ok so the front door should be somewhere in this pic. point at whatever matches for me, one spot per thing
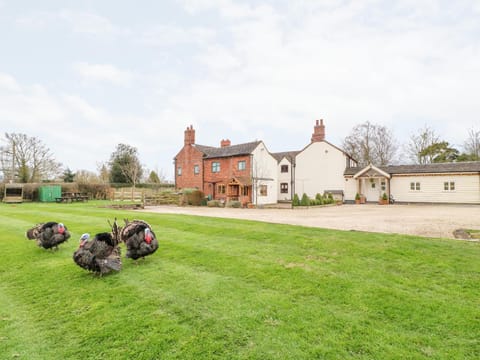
(373, 189)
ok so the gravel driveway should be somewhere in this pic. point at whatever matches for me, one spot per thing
(422, 220)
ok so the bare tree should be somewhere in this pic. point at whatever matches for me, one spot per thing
(103, 173)
(27, 159)
(155, 176)
(87, 177)
(371, 143)
(472, 144)
(420, 141)
(385, 146)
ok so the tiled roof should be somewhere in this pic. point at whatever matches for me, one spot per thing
(467, 166)
(227, 151)
(288, 154)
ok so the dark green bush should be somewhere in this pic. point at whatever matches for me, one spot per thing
(305, 200)
(296, 200)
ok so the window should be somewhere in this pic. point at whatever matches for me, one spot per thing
(284, 169)
(245, 191)
(196, 169)
(221, 189)
(179, 171)
(449, 185)
(415, 186)
(284, 188)
(382, 184)
(242, 165)
(215, 167)
(263, 190)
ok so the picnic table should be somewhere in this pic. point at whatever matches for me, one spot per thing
(71, 197)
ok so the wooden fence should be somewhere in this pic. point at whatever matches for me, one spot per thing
(147, 196)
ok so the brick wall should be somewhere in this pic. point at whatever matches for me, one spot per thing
(228, 171)
(187, 158)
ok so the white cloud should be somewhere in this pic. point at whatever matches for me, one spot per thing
(168, 35)
(8, 83)
(84, 22)
(103, 72)
(77, 21)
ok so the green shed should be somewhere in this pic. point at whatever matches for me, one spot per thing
(49, 193)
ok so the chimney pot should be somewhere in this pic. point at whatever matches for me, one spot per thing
(189, 138)
(318, 131)
(225, 143)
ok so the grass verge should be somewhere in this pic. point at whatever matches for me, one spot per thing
(233, 289)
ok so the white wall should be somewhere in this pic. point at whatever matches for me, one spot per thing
(265, 169)
(350, 188)
(319, 167)
(285, 178)
(467, 188)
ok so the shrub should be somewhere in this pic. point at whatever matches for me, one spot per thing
(213, 203)
(305, 200)
(319, 199)
(296, 200)
(195, 198)
(96, 191)
(384, 196)
(234, 204)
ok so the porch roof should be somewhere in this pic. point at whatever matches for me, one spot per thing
(241, 180)
(436, 168)
(369, 167)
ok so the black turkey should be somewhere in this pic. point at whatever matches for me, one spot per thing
(49, 235)
(100, 255)
(139, 239)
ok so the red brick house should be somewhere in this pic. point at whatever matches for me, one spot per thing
(243, 172)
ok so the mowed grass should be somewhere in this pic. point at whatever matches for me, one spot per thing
(231, 289)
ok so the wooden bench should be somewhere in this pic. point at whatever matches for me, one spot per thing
(71, 197)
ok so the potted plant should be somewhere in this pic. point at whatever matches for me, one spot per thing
(383, 199)
(357, 198)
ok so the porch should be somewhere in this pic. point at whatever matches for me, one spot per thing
(372, 184)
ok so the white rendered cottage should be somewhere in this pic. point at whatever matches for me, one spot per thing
(320, 166)
(431, 183)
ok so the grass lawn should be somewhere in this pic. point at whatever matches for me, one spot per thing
(232, 289)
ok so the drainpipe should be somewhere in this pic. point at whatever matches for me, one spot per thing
(292, 187)
(175, 172)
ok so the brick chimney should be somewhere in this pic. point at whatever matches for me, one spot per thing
(318, 131)
(189, 136)
(225, 143)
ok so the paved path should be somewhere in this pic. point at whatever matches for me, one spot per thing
(422, 220)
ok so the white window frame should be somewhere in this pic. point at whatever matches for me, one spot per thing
(449, 186)
(415, 186)
(215, 167)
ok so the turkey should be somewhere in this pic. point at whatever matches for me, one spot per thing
(139, 239)
(49, 235)
(100, 255)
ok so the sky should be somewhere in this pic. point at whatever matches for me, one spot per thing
(85, 76)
